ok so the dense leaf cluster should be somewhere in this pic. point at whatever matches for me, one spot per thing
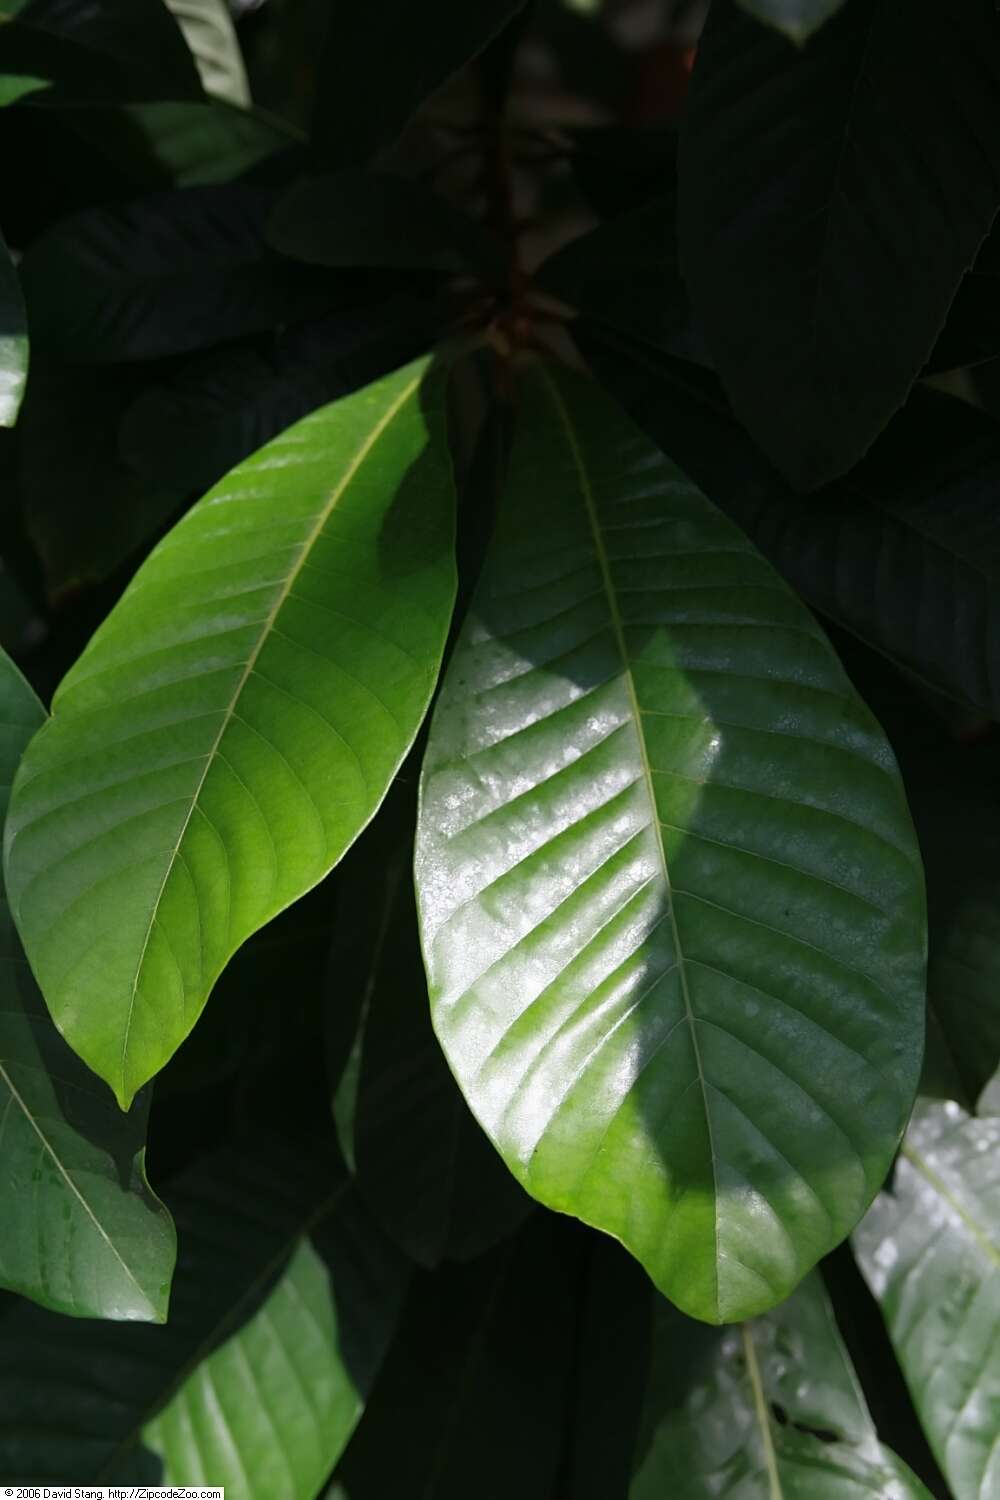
(506, 534)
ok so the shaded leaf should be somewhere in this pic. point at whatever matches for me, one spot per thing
(798, 19)
(13, 341)
(423, 1164)
(904, 551)
(930, 1250)
(619, 168)
(187, 428)
(357, 218)
(235, 722)
(800, 264)
(80, 1230)
(410, 50)
(122, 49)
(208, 30)
(625, 273)
(185, 143)
(13, 88)
(670, 897)
(773, 1407)
(476, 1382)
(86, 507)
(101, 1402)
(162, 275)
(270, 1411)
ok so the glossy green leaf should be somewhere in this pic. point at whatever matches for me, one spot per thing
(772, 1408)
(798, 259)
(381, 62)
(798, 19)
(162, 275)
(930, 1250)
(13, 341)
(671, 902)
(235, 721)
(476, 1382)
(208, 30)
(904, 552)
(357, 218)
(80, 1230)
(285, 1299)
(423, 1164)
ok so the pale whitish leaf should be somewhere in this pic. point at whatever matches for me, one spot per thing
(930, 1250)
(772, 1408)
(80, 1230)
(209, 32)
(671, 900)
(13, 341)
(235, 722)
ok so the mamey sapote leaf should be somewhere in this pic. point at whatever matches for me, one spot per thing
(235, 721)
(671, 903)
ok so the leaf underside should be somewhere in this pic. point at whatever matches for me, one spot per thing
(773, 1408)
(671, 903)
(930, 1250)
(235, 722)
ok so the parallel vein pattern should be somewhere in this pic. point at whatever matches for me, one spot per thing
(772, 1410)
(930, 1250)
(670, 899)
(80, 1230)
(234, 723)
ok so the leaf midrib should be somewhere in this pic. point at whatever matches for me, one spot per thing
(980, 1235)
(762, 1413)
(619, 632)
(326, 510)
(47, 1146)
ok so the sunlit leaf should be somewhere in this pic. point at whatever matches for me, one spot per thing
(670, 896)
(235, 722)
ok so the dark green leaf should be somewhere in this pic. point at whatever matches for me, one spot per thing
(86, 507)
(187, 429)
(235, 722)
(930, 1250)
(671, 902)
(625, 273)
(165, 274)
(772, 1408)
(903, 552)
(357, 218)
(188, 143)
(281, 1274)
(13, 341)
(80, 1230)
(423, 1164)
(619, 168)
(475, 1384)
(208, 30)
(799, 259)
(798, 19)
(122, 49)
(382, 61)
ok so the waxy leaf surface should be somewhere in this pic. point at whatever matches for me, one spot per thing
(671, 903)
(769, 1411)
(235, 722)
(930, 1250)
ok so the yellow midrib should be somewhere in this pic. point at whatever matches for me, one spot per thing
(267, 625)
